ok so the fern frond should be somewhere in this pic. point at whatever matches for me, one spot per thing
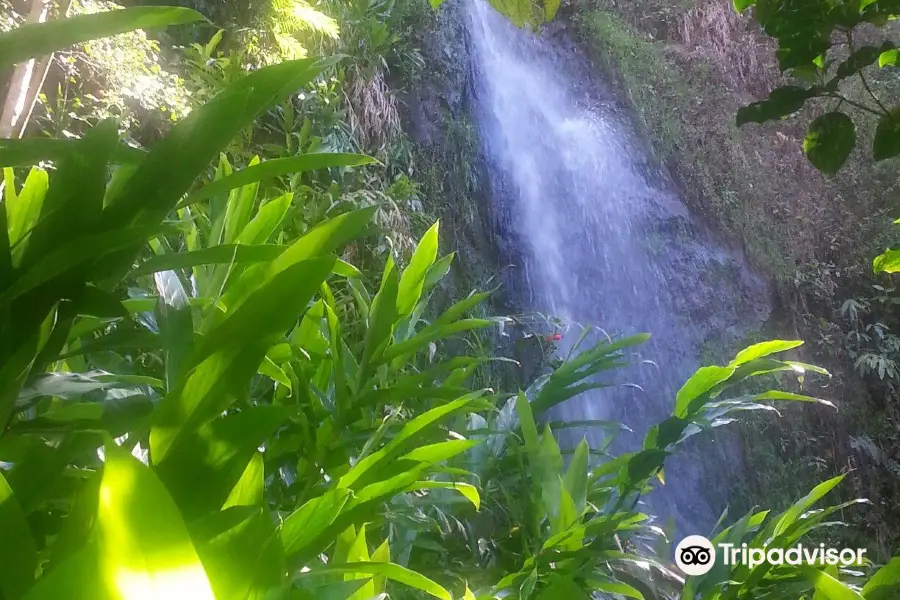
(293, 16)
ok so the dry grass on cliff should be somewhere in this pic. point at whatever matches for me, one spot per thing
(372, 109)
(712, 30)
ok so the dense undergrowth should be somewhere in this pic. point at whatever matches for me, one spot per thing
(231, 365)
(688, 68)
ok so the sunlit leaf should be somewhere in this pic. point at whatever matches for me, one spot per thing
(17, 550)
(38, 39)
(884, 583)
(829, 142)
(411, 282)
(391, 571)
(275, 168)
(144, 547)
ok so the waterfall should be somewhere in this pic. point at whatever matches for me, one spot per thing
(602, 240)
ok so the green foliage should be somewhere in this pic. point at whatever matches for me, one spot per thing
(35, 39)
(807, 34)
(210, 388)
(829, 142)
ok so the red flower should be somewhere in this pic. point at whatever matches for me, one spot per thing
(554, 337)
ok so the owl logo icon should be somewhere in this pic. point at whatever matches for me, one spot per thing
(695, 555)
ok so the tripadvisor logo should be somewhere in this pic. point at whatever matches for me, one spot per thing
(696, 555)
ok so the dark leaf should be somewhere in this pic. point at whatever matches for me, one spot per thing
(17, 552)
(781, 102)
(829, 142)
(862, 58)
(887, 136)
(39, 39)
(31, 151)
(275, 168)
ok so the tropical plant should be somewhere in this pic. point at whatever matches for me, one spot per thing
(818, 43)
(205, 392)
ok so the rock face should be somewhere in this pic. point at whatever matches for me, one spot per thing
(594, 230)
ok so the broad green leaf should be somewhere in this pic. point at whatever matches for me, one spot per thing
(432, 454)
(561, 587)
(645, 463)
(829, 142)
(889, 262)
(519, 12)
(887, 136)
(174, 163)
(277, 167)
(6, 259)
(345, 269)
(17, 552)
(240, 551)
(546, 473)
(529, 428)
(34, 150)
(437, 271)
(176, 325)
(527, 587)
(305, 524)
(567, 516)
(216, 255)
(24, 209)
(889, 58)
(789, 396)
(315, 589)
(382, 318)
(240, 205)
(209, 389)
(74, 202)
(39, 39)
(270, 85)
(804, 504)
(381, 554)
(700, 383)
(143, 545)
(615, 587)
(861, 58)
(323, 239)
(241, 340)
(202, 471)
(391, 571)
(575, 481)
(290, 290)
(267, 221)
(76, 578)
(411, 282)
(467, 490)
(351, 547)
(830, 587)
(74, 385)
(430, 334)
(410, 432)
(781, 102)
(18, 366)
(550, 9)
(249, 489)
(468, 595)
(762, 350)
(78, 526)
(73, 254)
(884, 583)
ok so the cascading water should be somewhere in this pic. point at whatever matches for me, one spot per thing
(601, 242)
